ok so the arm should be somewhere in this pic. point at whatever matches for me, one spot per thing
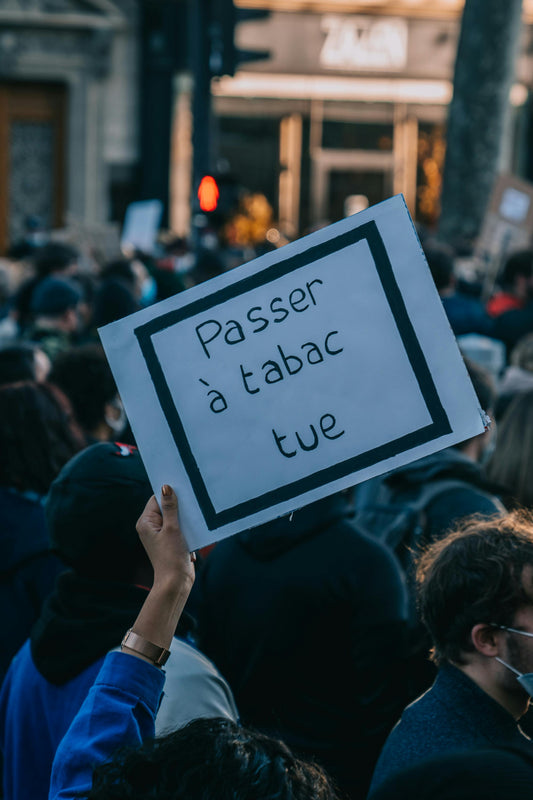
(120, 708)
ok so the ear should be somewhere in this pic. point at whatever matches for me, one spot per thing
(486, 639)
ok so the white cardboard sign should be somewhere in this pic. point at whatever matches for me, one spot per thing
(141, 224)
(294, 376)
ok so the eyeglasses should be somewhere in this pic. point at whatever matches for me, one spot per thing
(511, 630)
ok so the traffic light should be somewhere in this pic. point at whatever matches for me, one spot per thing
(208, 194)
(224, 56)
(218, 198)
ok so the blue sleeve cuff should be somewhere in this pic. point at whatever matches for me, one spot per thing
(132, 676)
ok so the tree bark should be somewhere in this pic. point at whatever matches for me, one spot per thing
(484, 73)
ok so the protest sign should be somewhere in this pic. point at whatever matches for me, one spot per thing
(294, 376)
(508, 226)
(141, 225)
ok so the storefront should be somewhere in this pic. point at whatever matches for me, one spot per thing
(349, 109)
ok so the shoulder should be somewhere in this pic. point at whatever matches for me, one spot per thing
(193, 688)
(427, 727)
(462, 500)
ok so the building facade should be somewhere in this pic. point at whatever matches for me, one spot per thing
(349, 108)
(68, 110)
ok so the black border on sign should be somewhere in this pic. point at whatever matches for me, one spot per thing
(439, 426)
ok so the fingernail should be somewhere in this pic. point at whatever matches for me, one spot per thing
(166, 491)
(193, 557)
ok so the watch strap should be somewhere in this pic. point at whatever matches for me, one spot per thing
(157, 655)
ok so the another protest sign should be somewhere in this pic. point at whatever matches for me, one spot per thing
(294, 376)
(141, 225)
(508, 226)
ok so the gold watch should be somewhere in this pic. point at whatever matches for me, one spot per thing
(157, 655)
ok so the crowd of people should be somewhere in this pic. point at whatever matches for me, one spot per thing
(377, 643)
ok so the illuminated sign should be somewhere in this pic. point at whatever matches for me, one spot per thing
(363, 43)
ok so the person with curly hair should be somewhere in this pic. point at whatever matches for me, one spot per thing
(475, 593)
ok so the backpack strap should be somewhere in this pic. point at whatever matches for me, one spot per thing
(435, 488)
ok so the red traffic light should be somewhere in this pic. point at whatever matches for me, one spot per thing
(208, 193)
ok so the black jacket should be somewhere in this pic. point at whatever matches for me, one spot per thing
(477, 496)
(28, 569)
(304, 616)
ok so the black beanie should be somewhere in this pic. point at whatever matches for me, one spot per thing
(92, 509)
(54, 296)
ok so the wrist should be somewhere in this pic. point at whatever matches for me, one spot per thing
(137, 645)
(173, 583)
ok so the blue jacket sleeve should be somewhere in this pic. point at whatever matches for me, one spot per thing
(119, 710)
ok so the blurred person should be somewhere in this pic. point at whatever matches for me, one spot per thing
(23, 362)
(212, 758)
(56, 321)
(146, 288)
(87, 283)
(516, 319)
(8, 325)
(208, 264)
(465, 314)
(91, 511)
(118, 293)
(518, 377)
(84, 375)
(475, 590)
(37, 436)
(414, 505)
(34, 236)
(305, 616)
(516, 283)
(511, 462)
(54, 259)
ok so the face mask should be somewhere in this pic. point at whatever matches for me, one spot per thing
(117, 423)
(525, 679)
(148, 291)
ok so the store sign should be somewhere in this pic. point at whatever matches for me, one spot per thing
(363, 43)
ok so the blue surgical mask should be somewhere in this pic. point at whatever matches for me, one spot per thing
(118, 423)
(525, 679)
(148, 291)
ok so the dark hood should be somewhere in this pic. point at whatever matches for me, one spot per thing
(270, 540)
(450, 464)
(81, 620)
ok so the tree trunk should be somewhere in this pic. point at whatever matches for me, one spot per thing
(484, 73)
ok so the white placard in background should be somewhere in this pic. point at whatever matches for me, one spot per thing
(141, 224)
(514, 205)
(294, 376)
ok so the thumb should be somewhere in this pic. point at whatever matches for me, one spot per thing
(169, 502)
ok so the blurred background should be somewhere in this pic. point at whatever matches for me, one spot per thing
(303, 112)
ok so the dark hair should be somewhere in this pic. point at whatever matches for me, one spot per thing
(17, 363)
(474, 575)
(120, 268)
(519, 263)
(84, 375)
(54, 257)
(37, 435)
(440, 262)
(211, 758)
(115, 296)
(511, 463)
